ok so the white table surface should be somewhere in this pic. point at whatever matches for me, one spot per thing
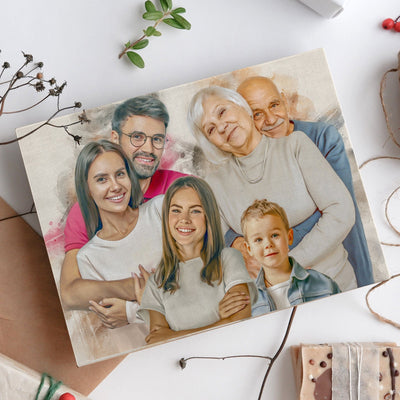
(79, 42)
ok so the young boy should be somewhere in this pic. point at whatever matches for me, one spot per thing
(281, 282)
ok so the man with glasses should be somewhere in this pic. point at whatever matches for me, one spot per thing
(139, 126)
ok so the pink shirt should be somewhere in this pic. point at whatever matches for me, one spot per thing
(75, 235)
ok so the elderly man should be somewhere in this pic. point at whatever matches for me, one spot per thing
(270, 113)
(139, 126)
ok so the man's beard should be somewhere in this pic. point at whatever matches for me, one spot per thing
(145, 171)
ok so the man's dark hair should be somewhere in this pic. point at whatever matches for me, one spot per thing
(148, 106)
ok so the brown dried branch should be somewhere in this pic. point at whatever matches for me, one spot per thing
(274, 358)
(31, 211)
(76, 138)
(183, 361)
(22, 78)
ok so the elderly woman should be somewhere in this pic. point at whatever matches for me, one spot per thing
(289, 171)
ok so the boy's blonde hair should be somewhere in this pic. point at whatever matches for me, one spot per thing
(261, 208)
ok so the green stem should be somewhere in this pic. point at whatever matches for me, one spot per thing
(158, 22)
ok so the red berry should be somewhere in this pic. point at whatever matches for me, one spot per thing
(388, 23)
(397, 26)
(67, 396)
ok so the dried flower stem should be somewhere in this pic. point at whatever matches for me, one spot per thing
(183, 361)
(38, 127)
(31, 211)
(27, 108)
(19, 79)
(274, 358)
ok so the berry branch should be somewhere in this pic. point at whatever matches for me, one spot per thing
(389, 24)
(165, 14)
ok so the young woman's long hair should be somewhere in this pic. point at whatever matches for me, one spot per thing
(85, 159)
(168, 270)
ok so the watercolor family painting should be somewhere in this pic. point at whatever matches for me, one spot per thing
(201, 205)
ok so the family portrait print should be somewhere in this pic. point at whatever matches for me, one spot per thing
(202, 205)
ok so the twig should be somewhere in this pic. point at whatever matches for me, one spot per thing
(274, 358)
(28, 108)
(183, 361)
(167, 14)
(31, 211)
(38, 127)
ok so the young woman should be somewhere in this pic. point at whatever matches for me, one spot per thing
(196, 270)
(123, 234)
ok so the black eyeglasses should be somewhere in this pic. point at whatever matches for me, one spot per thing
(138, 139)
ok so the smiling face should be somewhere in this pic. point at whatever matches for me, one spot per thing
(109, 184)
(268, 105)
(187, 222)
(228, 126)
(145, 158)
(268, 240)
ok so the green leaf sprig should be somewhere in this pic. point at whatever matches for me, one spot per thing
(165, 14)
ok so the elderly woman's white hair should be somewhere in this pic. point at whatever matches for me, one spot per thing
(195, 115)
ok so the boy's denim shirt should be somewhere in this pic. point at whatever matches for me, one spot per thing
(305, 285)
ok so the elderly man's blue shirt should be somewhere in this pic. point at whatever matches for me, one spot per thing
(330, 143)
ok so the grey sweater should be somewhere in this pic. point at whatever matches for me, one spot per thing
(295, 175)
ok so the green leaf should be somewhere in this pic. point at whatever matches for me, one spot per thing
(127, 44)
(150, 7)
(182, 21)
(179, 10)
(164, 5)
(153, 16)
(150, 31)
(173, 23)
(169, 4)
(157, 33)
(135, 59)
(141, 45)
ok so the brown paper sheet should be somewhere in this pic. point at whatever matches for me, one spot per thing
(32, 326)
